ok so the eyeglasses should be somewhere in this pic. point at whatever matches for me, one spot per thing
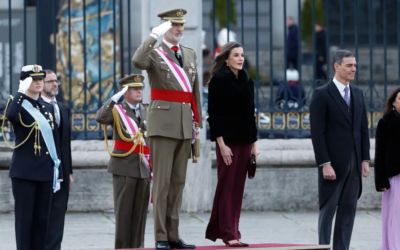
(53, 81)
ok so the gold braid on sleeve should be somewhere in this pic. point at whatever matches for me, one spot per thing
(34, 126)
(118, 127)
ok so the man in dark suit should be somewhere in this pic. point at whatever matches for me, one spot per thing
(339, 133)
(62, 119)
(292, 44)
(320, 47)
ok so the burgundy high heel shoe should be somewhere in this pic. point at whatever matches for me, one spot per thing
(237, 244)
(244, 244)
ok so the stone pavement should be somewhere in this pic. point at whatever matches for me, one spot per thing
(95, 231)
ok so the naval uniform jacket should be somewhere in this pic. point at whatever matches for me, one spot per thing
(24, 163)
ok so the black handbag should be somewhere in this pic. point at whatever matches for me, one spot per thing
(251, 168)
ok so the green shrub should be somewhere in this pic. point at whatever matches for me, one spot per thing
(306, 18)
(220, 13)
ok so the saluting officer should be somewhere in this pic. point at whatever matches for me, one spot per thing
(130, 161)
(175, 109)
(35, 166)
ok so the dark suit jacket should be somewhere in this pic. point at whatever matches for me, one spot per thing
(336, 133)
(292, 42)
(387, 148)
(24, 163)
(320, 45)
(65, 138)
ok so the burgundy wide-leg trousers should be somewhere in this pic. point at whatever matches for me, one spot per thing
(224, 221)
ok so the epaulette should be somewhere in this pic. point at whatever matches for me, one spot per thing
(187, 47)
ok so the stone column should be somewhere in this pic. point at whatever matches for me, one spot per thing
(197, 195)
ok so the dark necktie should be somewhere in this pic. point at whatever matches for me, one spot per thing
(136, 114)
(178, 57)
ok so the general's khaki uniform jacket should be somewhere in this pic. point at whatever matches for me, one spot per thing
(165, 118)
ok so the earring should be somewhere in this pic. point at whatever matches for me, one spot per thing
(393, 108)
(227, 64)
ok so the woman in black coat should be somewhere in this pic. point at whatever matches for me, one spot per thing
(233, 128)
(387, 170)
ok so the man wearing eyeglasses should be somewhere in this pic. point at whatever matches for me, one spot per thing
(61, 114)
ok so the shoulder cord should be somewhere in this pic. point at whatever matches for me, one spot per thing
(34, 126)
(117, 126)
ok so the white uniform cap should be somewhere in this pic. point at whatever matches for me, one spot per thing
(292, 75)
(223, 37)
(203, 37)
(30, 68)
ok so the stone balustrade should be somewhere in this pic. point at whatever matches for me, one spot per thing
(286, 179)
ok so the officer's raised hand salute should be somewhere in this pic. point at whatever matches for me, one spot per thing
(161, 29)
(24, 85)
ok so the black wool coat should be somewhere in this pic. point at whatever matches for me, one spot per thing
(387, 149)
(231, 107)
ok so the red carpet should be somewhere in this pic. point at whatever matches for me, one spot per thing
(269, 246)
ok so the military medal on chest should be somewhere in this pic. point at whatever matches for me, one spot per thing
(51, 121)
(192, 71)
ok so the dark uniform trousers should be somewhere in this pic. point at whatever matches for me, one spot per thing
(32, 212)
(131, 201)
(169, 158)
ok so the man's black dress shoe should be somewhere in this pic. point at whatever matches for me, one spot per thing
(163, 245)
(180, 244)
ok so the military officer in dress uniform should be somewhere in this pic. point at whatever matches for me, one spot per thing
(35, 169)
(175, 110)
(130, 161)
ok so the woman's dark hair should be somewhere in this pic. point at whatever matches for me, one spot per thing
(389, 104)
(220, 59)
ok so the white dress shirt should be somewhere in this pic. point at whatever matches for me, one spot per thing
(137, 107)
(170, 45)
(57, 109)
(341, 87)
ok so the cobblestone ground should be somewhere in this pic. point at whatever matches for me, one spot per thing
(95, 231)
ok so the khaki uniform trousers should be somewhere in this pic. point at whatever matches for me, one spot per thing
(169, 158)
(131, 201)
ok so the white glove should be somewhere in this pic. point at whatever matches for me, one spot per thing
(118, 95)
(24, 85)
(161, 29)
